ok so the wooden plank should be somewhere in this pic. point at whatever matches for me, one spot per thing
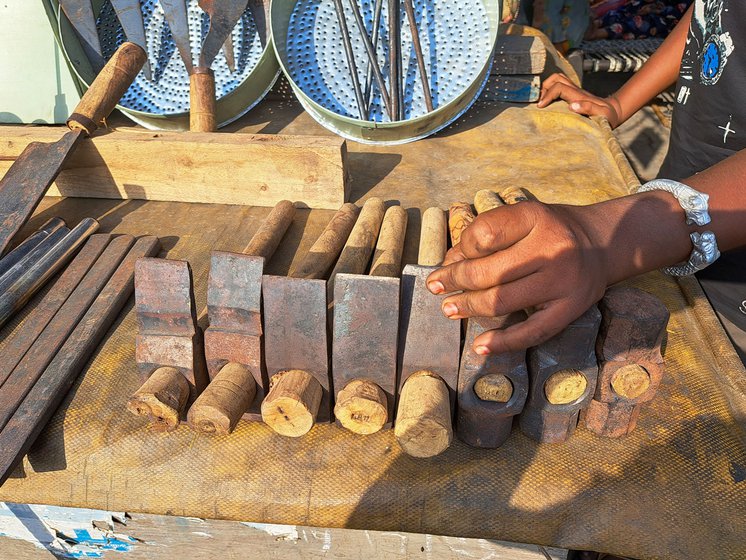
(246, 169)
(518, 54)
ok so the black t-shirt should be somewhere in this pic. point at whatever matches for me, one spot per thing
(709, 117)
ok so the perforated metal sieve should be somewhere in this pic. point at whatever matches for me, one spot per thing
(457, 39)
(163, 102)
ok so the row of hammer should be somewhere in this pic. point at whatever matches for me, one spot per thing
(394, 355)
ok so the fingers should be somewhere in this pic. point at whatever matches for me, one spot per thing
(492, 302)
(453, 255)
(553, 83)
(483, 273)
(591, 108)
(498, 229)
(539, 327)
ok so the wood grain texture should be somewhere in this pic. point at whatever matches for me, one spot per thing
(390, 246)
(460, 217)
(220, 406)
(108, 87)
(202, 101)
(433, 237)
(161, 399)
(270, 233)
(486, 200)
(291, 406)
(246, 169)
(362, 407)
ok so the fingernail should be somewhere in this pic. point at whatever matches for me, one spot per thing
(450, 309)
(574, 106)
(482, 350)
(435, 287)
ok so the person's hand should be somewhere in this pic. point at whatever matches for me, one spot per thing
(559, 86)
(529, 255)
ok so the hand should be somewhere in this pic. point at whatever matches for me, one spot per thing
(559, 86)
(529, 255)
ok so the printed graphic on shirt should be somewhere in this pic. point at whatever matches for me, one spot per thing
(683, 96)
(708, 46)
(727, 129)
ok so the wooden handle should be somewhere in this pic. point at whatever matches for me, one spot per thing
(292, 404)
(423, 419)
(359, 247)
(390, 246)
(362, 407)
(161, 398)
(565, 386)
(108, 87)
(514, 195)
(433, 238)
(327, 247)
(494, 387)
(486, 200)
(270, 233)
(202, 100)
(228, 396)
(460, 217)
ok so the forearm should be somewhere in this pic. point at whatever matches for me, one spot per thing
(646, 231)
(657, 74)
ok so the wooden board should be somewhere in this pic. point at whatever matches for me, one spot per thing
(247, 169)
(517, 54)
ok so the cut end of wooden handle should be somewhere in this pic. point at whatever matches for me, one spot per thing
(202, 100)
(514, 195)
(460, 217)
(423, 420)
(108, 87)
(486, 200)
(630, 381)
(220, 406)
(362, 407)
(565, 386)
(494, 387)
(433, 238)
(161, 398)
(292, 404)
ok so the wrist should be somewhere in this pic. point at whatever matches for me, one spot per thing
(616, 106)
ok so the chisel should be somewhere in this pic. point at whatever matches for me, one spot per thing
(24, 184)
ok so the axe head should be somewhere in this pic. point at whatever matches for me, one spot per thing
(295, 331)
(366, 322)
(234, 307)
(428, 339)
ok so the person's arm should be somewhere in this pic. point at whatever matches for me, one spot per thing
(559, 259)
(657, 74)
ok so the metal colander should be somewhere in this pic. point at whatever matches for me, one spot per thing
(163, 103)
(457, 39)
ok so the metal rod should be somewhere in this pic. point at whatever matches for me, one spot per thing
(369, 71)
(16, 295)
(409, 8)
(350, 58)
(25, 247)
(36, 254)
(394, 56)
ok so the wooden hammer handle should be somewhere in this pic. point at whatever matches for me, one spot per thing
(460, 217)
(362, 240)
(390, 247)
(327, 247)
(202, 100)
(108, 87)
(433, 238)
(270, 233)
(486, 200)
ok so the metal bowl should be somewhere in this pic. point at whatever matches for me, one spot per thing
(457, 40)
(163, 103)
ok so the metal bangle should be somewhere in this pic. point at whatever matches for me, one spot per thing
(695, 207)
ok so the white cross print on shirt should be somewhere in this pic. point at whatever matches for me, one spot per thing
(727, 129)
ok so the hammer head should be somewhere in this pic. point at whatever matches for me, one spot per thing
(167, 321)
(366, 322)
(428, 339)
(295, 331)
(483, 420)
(235, 331)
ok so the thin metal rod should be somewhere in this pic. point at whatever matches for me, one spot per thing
(409, 8)
(350, 58)
(28, 244)
(15, 296)
(394, 55)
(369, 72)
(30, 260)
(372, 59)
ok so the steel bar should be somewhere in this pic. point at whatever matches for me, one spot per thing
(21, 339)
(27, 285)
(394, 56)
(409, 8)
(347, 43)
(23, 265)
(40, 404)
(27, 245)
(369, 70)
(43, 351)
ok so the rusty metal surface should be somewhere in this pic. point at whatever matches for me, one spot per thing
(130, 16)
(81, 15)
(32, 257)
(483, 423)
(28, 244)
(167, 333)
(428, 339)
(234, 308)
(295, 331)
(24, 184)
(223, 17)
(573, 348)
(365, 333)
